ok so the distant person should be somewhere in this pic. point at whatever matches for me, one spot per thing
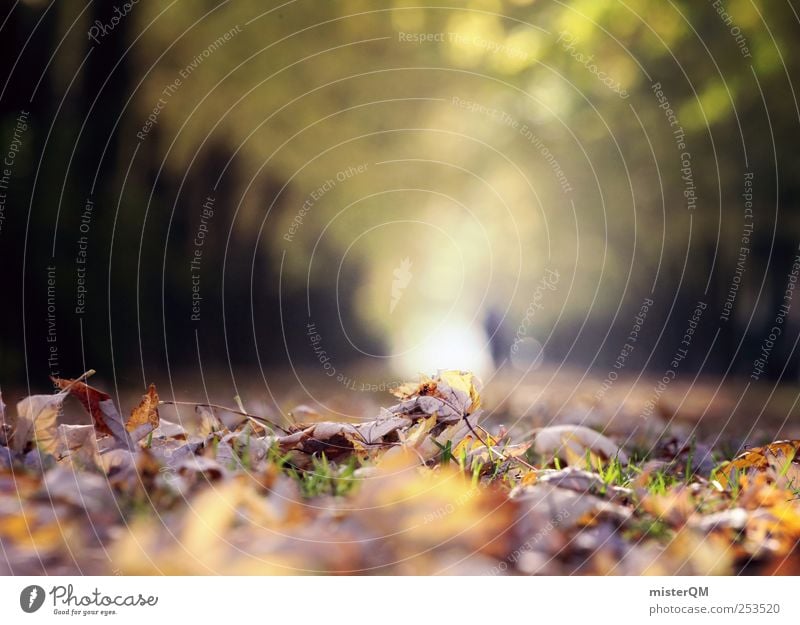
(498, 344)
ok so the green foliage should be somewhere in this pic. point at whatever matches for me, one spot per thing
(326, 479)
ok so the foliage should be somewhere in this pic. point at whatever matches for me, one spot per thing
(422, 488)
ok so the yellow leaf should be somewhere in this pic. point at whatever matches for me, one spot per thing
(529, 478)
(778, 461)
(419, 431)
(468, 444)
(463, 381)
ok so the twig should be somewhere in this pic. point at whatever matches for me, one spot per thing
(84, 376)
(491, 449)
(226, 409)
(503, 456)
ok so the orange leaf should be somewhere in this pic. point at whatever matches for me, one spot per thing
(144, 418)
(778, 461)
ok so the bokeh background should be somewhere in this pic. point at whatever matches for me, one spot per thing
(283, 195)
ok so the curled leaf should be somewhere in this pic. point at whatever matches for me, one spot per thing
(100, 407)
(572, 442)
(452, 395)
(144, 418)
(778, 461)
(37, 416)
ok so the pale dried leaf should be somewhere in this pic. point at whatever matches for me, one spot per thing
(168, 429)
(373, 432)
(37, 416)
(115, 424)
(82, 489)
(564, 441)
(579, 480)
(209, 422)
(78, 443)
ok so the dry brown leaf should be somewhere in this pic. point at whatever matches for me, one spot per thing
(455, 396)
(328, 437)
(778, 461)
(100, 407)
(450, 394)
(444, 399)
(144, 418)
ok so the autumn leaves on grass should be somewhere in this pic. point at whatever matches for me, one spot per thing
(425, 486)
(37, 419)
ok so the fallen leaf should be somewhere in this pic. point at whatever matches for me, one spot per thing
(144, 418)
(465, 386)
(576, 479)
(430, 447)
(82, 489)
(778, 461)
(78, 443)
(409, 421)
(455, 396)
(227, 532)
(407, 389)
(100, 407)
(417, 434)
(168, 429)
(37, 416)
(452, 395)
(209, 422)
(374, 431)
(734, 518)
(422, 515)
(571, 443)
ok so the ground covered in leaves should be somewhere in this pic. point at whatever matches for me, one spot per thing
(422, 487)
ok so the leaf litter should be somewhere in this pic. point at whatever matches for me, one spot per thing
(421, 488)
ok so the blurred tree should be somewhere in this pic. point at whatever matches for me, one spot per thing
(485, 141)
